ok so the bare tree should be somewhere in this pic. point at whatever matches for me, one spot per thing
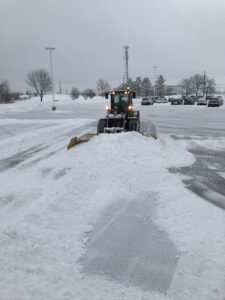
(40, 81)
(75, 93)
(187, 86)
(102, 87)
(88, 93)
(197, 82)
(5, 91)
(210, 86)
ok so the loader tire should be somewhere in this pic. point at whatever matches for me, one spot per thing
(101, 126)
(138, 128)
(132, 125)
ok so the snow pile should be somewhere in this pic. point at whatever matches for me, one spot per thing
(47, 212)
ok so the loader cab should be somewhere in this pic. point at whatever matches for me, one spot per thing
(121, 101)
(120, 116)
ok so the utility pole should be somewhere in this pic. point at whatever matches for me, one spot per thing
(126, 59)
(60, 88)
(204, 83)
(53, 92)
(154, 68)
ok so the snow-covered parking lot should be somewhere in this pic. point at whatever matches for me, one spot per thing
(121, 217)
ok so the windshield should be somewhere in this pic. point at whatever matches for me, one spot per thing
(120, 97)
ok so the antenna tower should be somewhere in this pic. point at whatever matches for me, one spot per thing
(126, 58)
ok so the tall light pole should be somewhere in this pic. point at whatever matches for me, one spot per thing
(126, 59)
(154, 68)
(50, 49)
(204, 83)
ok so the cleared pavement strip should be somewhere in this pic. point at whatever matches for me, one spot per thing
(127, 247)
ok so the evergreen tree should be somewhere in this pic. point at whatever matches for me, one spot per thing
(146, 87)
(138, 86)
(160, 86)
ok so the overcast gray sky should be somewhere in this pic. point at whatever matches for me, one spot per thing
(181, 37)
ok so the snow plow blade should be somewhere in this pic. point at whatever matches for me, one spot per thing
(83, 139)
(148, 129)
(86, 137)
(150, 134)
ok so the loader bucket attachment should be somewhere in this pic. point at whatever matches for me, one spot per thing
(78, 140)
(150, 134)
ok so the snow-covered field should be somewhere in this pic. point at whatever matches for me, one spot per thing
(106, 219)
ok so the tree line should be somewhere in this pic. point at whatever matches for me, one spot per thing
(144, 87)
(198, 84)
(41, 83)
(102, 87)
(6, 95)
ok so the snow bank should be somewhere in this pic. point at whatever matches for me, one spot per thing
(60, 100)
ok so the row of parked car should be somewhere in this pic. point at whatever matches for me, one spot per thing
(208, 100)
(190, 100)
(151, 100)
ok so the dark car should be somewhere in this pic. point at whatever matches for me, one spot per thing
(146, 101)
(154, 98)
(177, 101)
(220, 100)
(189, 101)
(214, 101)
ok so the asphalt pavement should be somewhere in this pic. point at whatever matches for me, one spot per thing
(126, 246)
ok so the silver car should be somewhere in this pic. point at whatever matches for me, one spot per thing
(161, 100)
(146, 101)
(202, 101)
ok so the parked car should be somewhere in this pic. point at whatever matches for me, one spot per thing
(154, 98)
(147, 101)
(220, 100)
(195, 98)
(214, 101)
(161, 100)
(189, 101)
(174, 101)
(202, 101)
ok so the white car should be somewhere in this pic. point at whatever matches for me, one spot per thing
(161, 100)
(202, 101)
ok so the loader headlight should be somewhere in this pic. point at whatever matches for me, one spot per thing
(107, 108)
(130, 107)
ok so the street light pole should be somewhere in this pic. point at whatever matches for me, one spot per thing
(51, 68)
(154, 67)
